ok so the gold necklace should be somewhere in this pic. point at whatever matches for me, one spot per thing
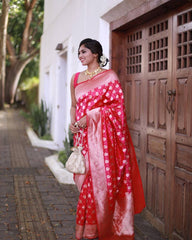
(91, 74)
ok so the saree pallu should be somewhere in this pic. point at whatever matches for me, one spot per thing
(111, 190)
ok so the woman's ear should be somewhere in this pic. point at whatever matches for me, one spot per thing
(96, 56)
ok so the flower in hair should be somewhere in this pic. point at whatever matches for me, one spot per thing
(103, 61)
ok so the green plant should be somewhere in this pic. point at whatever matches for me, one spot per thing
(46, 137)
(28, 89)
(68, 143)
(29, 83)
(26, 115)
(39, 118)
(62, 157)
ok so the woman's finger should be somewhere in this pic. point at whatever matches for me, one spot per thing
(74, 128)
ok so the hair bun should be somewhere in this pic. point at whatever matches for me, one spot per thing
(103, 61)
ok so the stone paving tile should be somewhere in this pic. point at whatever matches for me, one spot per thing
(18, 156)
(9, 235)
(5, 160)
(144, 230)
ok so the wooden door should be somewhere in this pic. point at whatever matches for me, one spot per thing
(181, 133)
(156, 75)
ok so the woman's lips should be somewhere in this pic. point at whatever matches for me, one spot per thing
(82, 60)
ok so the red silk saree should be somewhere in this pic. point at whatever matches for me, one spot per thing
(111, 190)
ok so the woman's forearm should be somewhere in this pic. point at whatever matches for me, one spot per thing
(73, 114)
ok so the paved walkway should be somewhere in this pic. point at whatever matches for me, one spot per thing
(33, 205)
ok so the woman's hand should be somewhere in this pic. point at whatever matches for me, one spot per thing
(76, 126)
(82, 123)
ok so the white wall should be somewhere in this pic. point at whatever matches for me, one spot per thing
(68, 22)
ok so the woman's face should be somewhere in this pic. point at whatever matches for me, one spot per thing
(86, 56)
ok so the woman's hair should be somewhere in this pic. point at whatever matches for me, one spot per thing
(95, 48)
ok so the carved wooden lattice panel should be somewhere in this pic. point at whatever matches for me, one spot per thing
(184, 41)
(158, 65)
(158, 48)
(133, 69)
(134, 52)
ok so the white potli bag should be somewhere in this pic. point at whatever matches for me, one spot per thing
(76, 161)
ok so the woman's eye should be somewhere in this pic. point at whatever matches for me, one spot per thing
(81, 52)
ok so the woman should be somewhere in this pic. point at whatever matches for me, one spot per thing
(111, 190)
